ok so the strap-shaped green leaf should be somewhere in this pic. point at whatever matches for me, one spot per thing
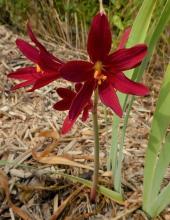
(115, 196)
(139, 31)
(160, 124)
(162, 165)
(162, 201)
(138, 35)
(137, 74)
(164, 198)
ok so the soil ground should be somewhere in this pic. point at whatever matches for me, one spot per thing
(33, 185)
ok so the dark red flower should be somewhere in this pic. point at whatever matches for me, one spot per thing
(46, 65)
(105, 70)
(68, 96)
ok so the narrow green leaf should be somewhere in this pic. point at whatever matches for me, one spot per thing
(139, 31)
(113, 151)
(160, 124)
(117, 180)
(138, 35)
(162, 201)
(141, 23)
(162, 165)
(153, 39)
(115, 196)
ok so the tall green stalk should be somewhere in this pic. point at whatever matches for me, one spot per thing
(96, 149)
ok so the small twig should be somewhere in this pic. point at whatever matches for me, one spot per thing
(127, 212)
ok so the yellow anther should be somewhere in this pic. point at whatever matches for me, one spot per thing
(104, 77)
(99, 82)
(98, 75)
(38, 69)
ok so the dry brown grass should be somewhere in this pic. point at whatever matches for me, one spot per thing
(34, 186)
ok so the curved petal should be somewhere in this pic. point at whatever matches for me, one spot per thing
(124, 38)
(67, 125)
(38, 44)
(23, 84)
(109, 98)
(77, 71)
(45, 79)
(29, 51)
(47, 63)
(99, 38)
(23, 73)
(86, 110)
(66, 93)
(125, 85)
(124, 59)
(63, 105)
(81, 99)
(33, 37)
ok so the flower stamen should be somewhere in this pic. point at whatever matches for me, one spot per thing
(98, 75)
(38, 69)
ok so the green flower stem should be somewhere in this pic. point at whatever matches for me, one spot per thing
(96, 150)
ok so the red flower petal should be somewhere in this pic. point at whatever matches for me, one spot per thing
(99, 38)
(45, 79)
(125, 85)
(29, 51)
(33, 38)
(67, 125)
(23, 84)
(47, 63)
(66, 93)
(109, 98)
(78, 86)
(63, 105)
(124, 38)
(77, 71)
(124, 59)
(81, 99)
(38, 44)
(85, 114)
(23, 73)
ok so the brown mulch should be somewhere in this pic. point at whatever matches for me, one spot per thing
(33, 185)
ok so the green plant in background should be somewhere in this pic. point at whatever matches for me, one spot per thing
(142, 22)
(15, 10)
(65, 20)
(159, 143)
(158, 154)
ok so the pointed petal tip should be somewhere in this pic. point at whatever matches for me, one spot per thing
(147, 91)
(120, 114)
(67, 125)
(12, 89)
(10, 75)
(99, 38)
(30, 90)
(125, 85)
(124, 38)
